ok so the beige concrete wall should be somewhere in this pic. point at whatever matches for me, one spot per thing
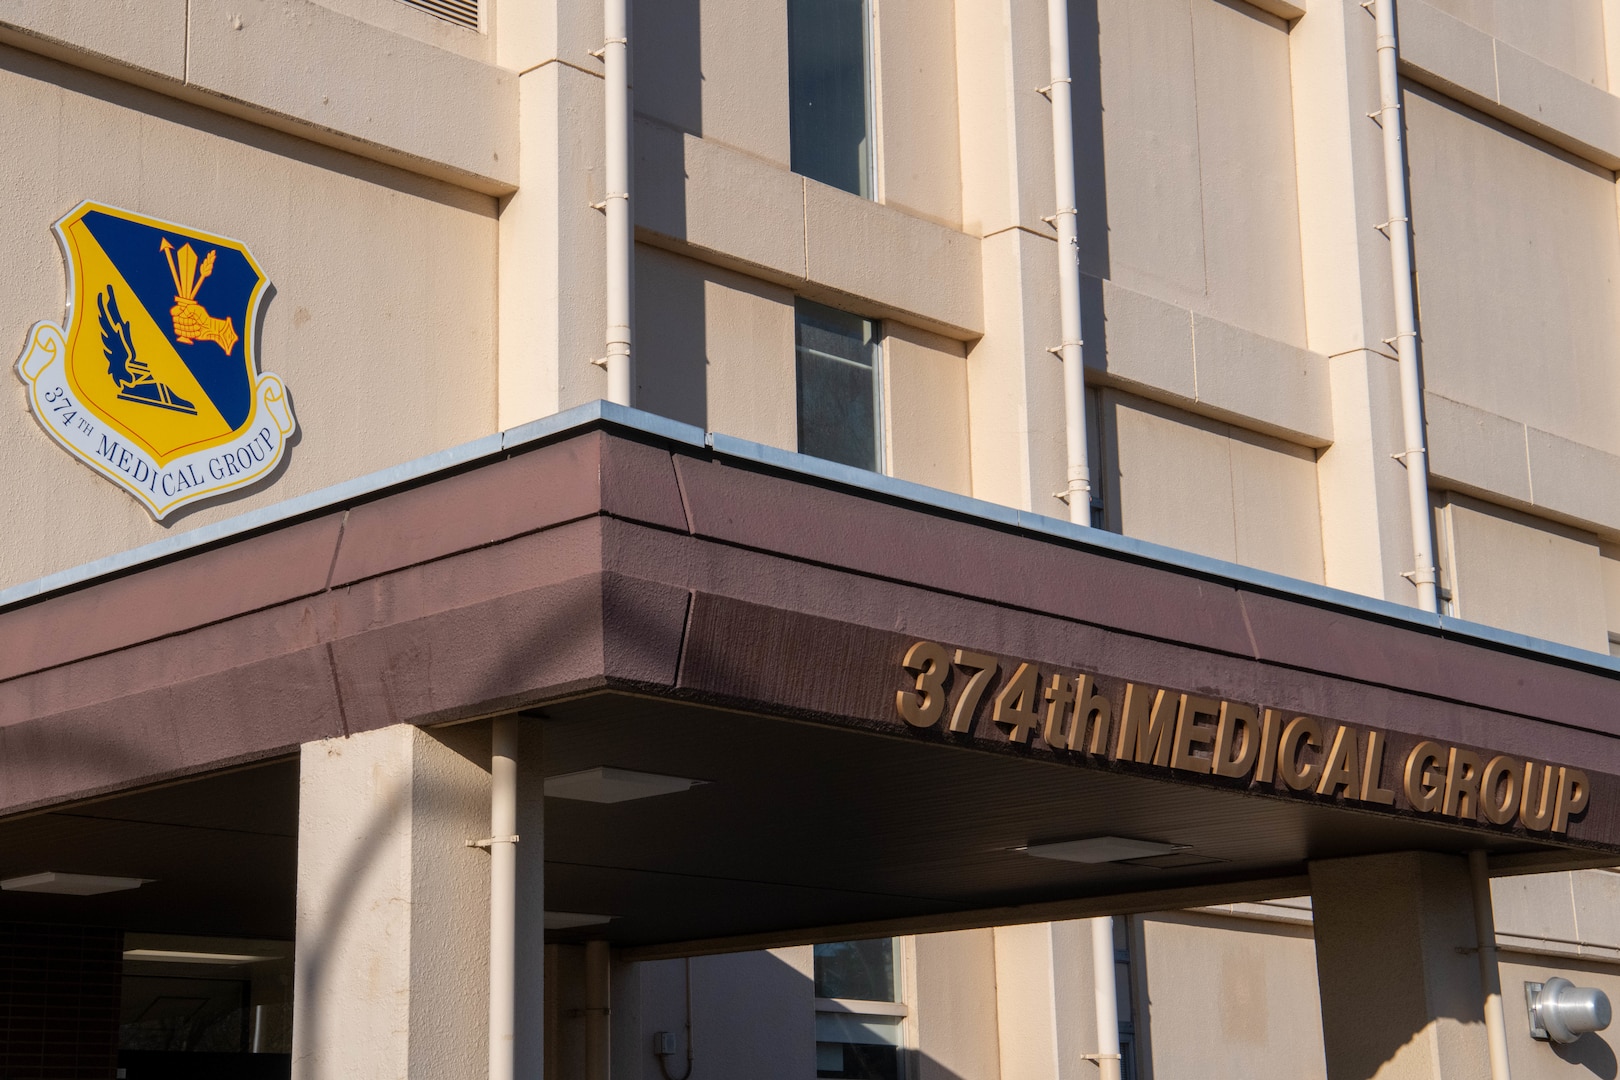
(553, 276)
(1569, 34)
(716, 68)
(392, 908)
(303, 67)
(1197, 160)
(1510, 570)
(919, 160)
(1517, 245)
(382, 322)
(753, 1015)
(1204, 486)
(1231, 998)
(1609, 565)
(716, 349)
(926, 426)
(956, 1030)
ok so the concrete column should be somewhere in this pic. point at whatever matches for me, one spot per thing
(1349, 301)
(552, 266)
(1045, 1008)
(392, 951)
(1400, 989)
(1015, 387)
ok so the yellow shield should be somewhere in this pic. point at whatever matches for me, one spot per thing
(153, 379)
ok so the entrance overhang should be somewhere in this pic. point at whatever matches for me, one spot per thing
(660, 602)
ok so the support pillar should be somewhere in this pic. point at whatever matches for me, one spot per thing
(392, 948)
(1400, 987)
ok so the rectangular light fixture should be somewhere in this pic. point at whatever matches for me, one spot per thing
(569, 920)
(180, 956)
(605, 784)
(1102, 849)
(71, 884)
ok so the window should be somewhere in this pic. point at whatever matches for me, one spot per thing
(839, 388)
(829, 82)
(859, 1017)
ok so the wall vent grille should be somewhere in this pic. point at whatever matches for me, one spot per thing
(460, 12)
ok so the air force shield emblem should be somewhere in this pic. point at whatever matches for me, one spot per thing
(152, 380)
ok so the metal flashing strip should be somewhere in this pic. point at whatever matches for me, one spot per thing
(1146, 551)
(594, 412)
(360, 488)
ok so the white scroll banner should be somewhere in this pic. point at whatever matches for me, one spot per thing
(249, 457)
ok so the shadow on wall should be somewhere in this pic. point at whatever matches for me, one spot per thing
(1593, 1054)
(1091, 202)
(670, 314)
(752, 1015)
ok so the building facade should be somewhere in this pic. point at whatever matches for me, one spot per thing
(246, 740)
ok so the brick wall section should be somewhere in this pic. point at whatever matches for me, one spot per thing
(59, 988)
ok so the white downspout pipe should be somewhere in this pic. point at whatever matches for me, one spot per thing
(1399, 231)
(1490, 975)
(502, 895)
(1077, 491)
(1104, 989)
(616, 198)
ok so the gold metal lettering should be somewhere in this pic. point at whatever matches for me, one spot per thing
(1235, 718)
(1059, 696)
(1423, 789)
(1343, 765)
(1017, 705)
(1092, 710)
(1161, 727)
(1499, 808)
(1145, 736)
(1301, 731)
(1265, 765)
(984, 669)
(923, 708)
(1537, 812)
(1189, 733)
(1573, 791)
(1463, 770)
(1373, 770)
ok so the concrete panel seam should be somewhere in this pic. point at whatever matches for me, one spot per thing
(337, 688)
(337, 549)
(1425, 59)
(1529, 473)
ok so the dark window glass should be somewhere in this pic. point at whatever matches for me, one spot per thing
(856, 969)
(857, 1061)
(838, 388)
(828, 122)
(852, 1045)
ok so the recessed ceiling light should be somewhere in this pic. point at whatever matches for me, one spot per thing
(179, 956)
(605, 784)
(1102, 849)
(568, 920)
(71, 884)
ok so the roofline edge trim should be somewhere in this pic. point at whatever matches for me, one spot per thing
(597, 412)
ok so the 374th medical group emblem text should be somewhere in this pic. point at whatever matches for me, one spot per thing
(152, 379)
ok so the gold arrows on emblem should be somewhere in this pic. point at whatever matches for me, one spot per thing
(191, 320)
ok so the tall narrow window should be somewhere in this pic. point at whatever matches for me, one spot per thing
(829, 81)
(839, 388)
(859, 1014)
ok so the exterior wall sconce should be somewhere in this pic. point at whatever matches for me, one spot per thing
(1562, 1012)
